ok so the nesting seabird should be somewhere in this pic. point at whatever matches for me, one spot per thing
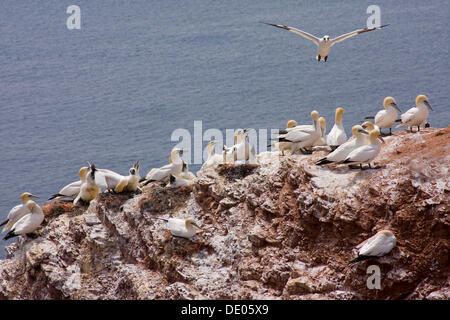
(302, 137)
(175, 168)
(376, 246)
(324, 44)
(28, 223)
(17, 212)
(416, 115)
(387, 117)
(214, 159)
(89, 189)
(110, 180)
(72, 189)
(366, 153)
(184, 228)
(341, 153)
(240, 150)
(337, 135)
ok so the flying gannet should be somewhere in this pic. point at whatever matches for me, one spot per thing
(324, 44)
(337, 135)
(72, 189)
(175, 167)
(18, 211)
(89, 189)
(376, 246)
(341, 153)
(110, 180)
(183, 228)
(387, 117)
(28, 223)
(303, 138)
(366, 153)
(416, 115)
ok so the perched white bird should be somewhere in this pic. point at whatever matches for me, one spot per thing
(214, 159)
(175, 167)
(183, 228)
(89, 189)
(72, 189)
(28, 223)
(178, 182)
(305, 137)
(369, 126)
(241, 149)
(341, 153)
(387, 117)
(337, 135)
(324, 44)
(322, 141)
(365, 153)
(110, 180)
(376, 246)
(416, 115)
(284, 146)
(185, 173)
(18, 211)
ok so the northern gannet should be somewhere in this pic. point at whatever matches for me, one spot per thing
(341, 153)
(369, 126)
(416, 115)
(185, 173)
(241, 148)
(18, 211)
(366, 153)
(324, 44)
(284, 146)
(177, 182)
(322, 141)
(376, 246)
(183, 228)
(337, 135)
(305, 137)
(72, 189)
(89, 189)
(110, 180)
(387, 117)
(214, 159)
(175, 168)
(28, 223)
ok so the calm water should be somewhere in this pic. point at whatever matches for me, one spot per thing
(114, 91)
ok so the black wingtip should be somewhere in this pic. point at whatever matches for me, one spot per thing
(3, 223)
(369, 117)
(360, 258)
(54, 196)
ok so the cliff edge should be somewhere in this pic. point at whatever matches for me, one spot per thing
(284, 229)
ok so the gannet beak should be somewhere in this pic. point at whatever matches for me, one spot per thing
(428, 105)
(363, 131)
(196, 225)
(396, 107)
(33, 196)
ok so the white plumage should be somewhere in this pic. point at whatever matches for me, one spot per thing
(29, 222)
(365, 153)
(72, 189)
(175, 168)
(17, 212)
(416, 115)
(324, 44)
(110, 180)
(376, 246)
(337, 135)
(184, 228)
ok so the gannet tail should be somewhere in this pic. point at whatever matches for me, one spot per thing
(9, 235)
(323, 161)
(360, 258)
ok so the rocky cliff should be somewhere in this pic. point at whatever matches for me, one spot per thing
(284, 229)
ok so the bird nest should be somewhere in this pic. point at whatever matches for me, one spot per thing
(232, 172)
